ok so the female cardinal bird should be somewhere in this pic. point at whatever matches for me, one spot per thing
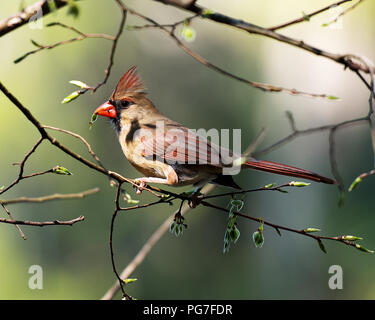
(166, 152)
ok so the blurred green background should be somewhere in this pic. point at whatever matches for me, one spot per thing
(76, 260)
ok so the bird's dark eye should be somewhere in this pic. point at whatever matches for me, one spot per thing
(125, 103)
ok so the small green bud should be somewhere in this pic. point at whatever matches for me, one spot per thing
(321, 246)
(207, 12)
(188, 33)
(93, 119)
(359, 247)
(36, 43)
(61, 170)
(333, 98)
(80, 84)
(351, 238)
(309, 230)
(299, 184)
(306, 17)
(269, 186)
(71, 97)
(129, 280)
(129, 199)
(355, 183)
(20, 58)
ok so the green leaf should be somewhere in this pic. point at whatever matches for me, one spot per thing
(282, 191)
(237, 203)
(93, 119)
(299, 184)
(80, 84)
(321, 246)
(309, 230)
(71, 97)
(226, 246)
(363, 249)
(128, 199)
(234, 234)
(354, 184)
(61, 170)
(258, 239)
(172, 226)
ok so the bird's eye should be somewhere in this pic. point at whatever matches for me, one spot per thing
(125, 103)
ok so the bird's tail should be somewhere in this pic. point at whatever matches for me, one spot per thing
(286, 170)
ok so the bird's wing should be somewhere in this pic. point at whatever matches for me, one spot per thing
(178, 144)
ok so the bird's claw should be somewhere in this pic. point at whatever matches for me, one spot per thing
(139, 187)
(194, 200)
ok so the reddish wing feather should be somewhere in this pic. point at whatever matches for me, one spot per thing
(182, 146)
(129, 83)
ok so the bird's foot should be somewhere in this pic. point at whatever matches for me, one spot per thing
(140, 186)
(194, 199)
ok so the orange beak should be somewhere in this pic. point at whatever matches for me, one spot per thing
(106, 110)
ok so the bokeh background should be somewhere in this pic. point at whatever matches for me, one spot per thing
(76, 260)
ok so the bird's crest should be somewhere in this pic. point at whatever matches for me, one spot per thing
(128, 84)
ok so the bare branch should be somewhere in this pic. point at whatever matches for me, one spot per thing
(344, 12)
(20, 18)
(307, 17)
(43, 223)
(205, 62)
(347, 60)
(55, 196)
(16, 225)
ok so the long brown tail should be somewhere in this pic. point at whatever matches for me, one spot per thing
(285, 170)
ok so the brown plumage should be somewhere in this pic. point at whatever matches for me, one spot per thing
(175, 155)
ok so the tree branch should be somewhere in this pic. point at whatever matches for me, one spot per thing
(21, 18)
(51, 197)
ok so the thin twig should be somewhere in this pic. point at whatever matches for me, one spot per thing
(343, 13)
(347, 60)
(43, 223)
(11, 217)
(205, 62)
(80, 138)
(307, 17)
(55, 196)
(147, 247)
(23, 17)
